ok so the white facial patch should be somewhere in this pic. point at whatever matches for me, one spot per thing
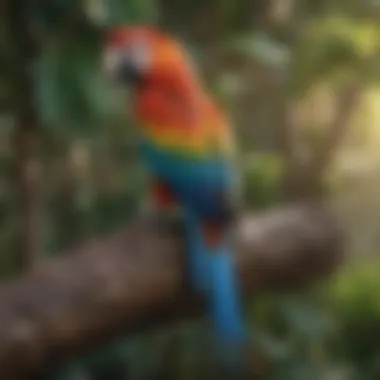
(140, 55)
(112, 60)
(136, 55)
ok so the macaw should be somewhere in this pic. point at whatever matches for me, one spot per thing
(188, 146)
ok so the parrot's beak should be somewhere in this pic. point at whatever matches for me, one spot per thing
(120, 67)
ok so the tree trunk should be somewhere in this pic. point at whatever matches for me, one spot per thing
(26, 138)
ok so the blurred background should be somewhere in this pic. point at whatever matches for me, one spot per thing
(300, 79)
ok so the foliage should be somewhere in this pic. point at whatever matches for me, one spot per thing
(341, 47)
(262, 180)
(354, 302)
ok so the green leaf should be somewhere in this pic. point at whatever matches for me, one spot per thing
(262, 49)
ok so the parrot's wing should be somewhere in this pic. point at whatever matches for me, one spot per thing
(220, 137)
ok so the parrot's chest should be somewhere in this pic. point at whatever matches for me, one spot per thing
(181, 124)
(202, 185)
(185, 170)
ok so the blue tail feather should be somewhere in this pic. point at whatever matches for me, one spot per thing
(198, 257)
(213, 272)
(226, 304)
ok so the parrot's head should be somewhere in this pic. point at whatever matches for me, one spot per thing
(137, 55)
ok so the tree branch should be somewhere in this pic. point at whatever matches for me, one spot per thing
(135, 279)
(348, 101)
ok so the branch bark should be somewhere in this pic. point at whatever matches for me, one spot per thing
(135, 279)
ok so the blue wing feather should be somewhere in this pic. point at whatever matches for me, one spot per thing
(205, 186)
